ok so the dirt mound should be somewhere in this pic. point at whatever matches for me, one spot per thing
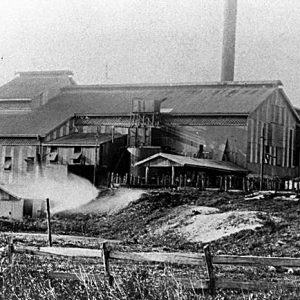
(206, 224)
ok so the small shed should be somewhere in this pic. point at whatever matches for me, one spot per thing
(14, 204)
(182, 170)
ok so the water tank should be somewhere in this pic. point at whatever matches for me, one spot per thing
(145, 106)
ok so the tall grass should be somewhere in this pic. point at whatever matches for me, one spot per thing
(28, 279)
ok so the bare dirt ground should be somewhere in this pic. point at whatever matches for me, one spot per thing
(206, 224)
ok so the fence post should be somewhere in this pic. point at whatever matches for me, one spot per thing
(10, 251)
(210, 270)
(105, 256)
(49, 222)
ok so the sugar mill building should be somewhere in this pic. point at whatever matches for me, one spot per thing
(113, 127)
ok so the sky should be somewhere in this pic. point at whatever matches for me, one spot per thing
(150, 41)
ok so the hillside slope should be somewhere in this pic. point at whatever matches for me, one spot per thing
(185, 220)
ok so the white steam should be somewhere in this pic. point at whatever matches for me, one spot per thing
(111, 202)
(64, 191)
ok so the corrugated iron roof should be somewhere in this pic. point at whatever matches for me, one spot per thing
(27, 85)
(19, 191)
(196, 162)
(117, 100)
(82, 139)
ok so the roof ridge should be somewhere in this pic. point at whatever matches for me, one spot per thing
(45, 73)
(231, 84)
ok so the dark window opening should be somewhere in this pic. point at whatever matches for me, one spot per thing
(268, 156)
(30, 164)
(53, 149)
(77, 149)
(53, 155)
(76, 158)
(7, 163)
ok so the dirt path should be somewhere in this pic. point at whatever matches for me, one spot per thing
(66, 238)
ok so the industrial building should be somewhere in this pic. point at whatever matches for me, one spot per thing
(93, 131)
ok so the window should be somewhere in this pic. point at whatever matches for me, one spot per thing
(53, 149)
(76, 157)
(30, 164)
(268, 156)
(7, 163)
(53, 155)
(77, 149)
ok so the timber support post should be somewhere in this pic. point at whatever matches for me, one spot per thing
(108, 179)
(180, 180)
(245, 185)
(198, 181)
(210, 270)
(147, 175)
(221, 183)
(226, 184)
(203, 182)
(173, 176)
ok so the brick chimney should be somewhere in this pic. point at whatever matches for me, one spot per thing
(228, 51)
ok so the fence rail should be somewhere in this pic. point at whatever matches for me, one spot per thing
(196, 259)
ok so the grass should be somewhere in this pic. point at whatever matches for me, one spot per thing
(22, 281)
(28, 279)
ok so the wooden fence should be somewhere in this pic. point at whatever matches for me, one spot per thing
(205, 259)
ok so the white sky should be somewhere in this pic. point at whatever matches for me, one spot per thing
(150, 40)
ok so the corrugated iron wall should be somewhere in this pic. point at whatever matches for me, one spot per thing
(279, 124)
(186, 140)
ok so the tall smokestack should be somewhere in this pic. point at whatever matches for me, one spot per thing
(228, 52)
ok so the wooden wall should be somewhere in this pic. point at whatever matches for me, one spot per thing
(19, 165)
(107, 153)
(11, 209)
